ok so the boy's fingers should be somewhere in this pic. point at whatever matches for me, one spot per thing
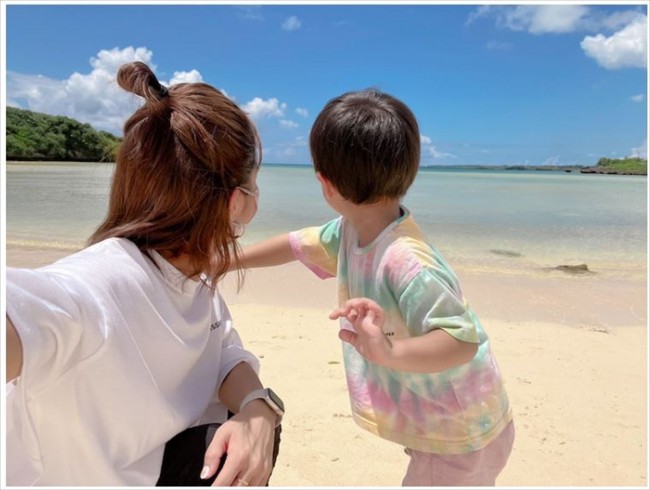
(347, 311)
(347, 336)
(340, 311)
(336, 314)
(370, 315)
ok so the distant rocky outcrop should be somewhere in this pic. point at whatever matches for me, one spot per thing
(573, 269)
(608, 171)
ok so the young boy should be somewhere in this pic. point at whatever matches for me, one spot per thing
(418, 363)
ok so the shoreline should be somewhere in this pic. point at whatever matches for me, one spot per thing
(572, 350)
(582, 169)
(614, 296)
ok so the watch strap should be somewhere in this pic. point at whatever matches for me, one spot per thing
(262, 394)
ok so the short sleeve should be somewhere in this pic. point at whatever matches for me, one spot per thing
(232, 348)
(49, 321)
(318, 247)
(430, 301)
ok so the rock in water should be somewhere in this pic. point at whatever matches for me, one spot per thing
(574, 269)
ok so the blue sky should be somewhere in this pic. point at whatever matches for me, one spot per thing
(556, 83)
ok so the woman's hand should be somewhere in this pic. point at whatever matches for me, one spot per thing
(367, 318)
(247, 441)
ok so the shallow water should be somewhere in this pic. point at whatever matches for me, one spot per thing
(545, 218)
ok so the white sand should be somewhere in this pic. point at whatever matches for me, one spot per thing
(573, 351)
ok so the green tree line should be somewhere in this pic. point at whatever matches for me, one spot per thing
(36, 136)
(629, 165)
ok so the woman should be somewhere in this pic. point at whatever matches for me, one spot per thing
(114, 350)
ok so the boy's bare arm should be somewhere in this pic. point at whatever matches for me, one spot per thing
(433, 352)
(14, 352)
(267, 253)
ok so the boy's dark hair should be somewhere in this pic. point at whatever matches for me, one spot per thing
(367, 144)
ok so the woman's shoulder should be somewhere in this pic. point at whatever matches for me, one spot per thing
(109, 253)
(113, 259)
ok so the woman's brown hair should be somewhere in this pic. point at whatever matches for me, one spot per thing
(184, 151)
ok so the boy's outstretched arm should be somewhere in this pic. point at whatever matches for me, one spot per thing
(429, 353)
(267, 253)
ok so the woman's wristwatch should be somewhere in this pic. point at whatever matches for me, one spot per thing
(271, 399)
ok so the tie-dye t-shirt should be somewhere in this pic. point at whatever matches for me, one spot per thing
(451, 412)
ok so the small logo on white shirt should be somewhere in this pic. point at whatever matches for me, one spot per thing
(215, 325)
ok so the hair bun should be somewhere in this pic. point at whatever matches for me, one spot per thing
(137, 78)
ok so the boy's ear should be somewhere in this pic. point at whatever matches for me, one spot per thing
(328, 187)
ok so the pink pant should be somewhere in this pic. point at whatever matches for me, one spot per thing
(478, 468)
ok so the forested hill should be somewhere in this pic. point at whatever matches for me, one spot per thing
(625, 166)
(37, 136)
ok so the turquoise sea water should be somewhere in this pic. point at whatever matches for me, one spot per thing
(545, 217)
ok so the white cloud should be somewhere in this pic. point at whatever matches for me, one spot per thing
(93, 97)
(251, 12)
(637, 98)
(541, 19)
(558, 18)
(38, 92)
(625, 48)
(617, 19)
(302, 112)
(536, 19)
(288, 124)
(291, 151)
(259, 108)
(291, 24)
(482, 11)
(192, 76)
(624, 45)
(641, 151)
(554, 160)
(287, 152)
(108, 61)
(428, 149)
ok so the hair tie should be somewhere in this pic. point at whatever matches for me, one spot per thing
(163, 91)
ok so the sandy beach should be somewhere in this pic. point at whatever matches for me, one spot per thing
(572, 349)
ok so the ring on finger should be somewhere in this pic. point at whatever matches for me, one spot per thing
(242, 482)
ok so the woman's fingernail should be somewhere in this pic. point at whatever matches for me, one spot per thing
(204, 472)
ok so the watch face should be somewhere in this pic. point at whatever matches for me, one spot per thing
(275, 399)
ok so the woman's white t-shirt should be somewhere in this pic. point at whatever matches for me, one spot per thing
(118, 356)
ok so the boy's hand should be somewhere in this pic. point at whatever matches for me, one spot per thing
(367, 319)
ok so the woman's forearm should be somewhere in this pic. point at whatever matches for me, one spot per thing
(241, 380)
(14, 352)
